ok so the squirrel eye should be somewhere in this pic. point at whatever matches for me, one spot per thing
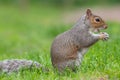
(97, 20)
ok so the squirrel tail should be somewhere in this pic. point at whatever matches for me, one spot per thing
(14, 65)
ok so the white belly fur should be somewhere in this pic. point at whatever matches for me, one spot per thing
(80, 56)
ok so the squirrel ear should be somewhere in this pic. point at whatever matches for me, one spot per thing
(89, 13)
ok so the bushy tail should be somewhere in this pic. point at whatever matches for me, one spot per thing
(15, 65)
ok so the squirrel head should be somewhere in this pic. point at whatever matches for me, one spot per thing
(96, 22)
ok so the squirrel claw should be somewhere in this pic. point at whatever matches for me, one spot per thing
(104, 36)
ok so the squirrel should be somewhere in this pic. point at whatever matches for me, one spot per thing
(68, 48)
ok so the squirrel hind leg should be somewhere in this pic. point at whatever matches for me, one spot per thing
(66, 65)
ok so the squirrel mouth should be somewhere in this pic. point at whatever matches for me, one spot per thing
(98, 30)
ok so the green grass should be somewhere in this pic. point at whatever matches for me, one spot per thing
(29, 35)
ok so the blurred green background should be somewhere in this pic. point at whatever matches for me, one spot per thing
(61, 2)
(28, 27)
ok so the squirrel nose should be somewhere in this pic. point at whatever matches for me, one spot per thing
(105, 26)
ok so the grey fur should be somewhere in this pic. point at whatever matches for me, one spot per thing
(15, 65)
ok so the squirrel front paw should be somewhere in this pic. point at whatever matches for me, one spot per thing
(104, 36)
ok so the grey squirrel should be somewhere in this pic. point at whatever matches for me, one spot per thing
(68, 48)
